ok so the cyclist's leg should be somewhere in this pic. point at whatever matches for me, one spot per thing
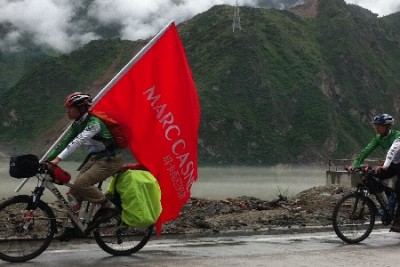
(394, 170)
(98, 171)
(93, 172)
(396, 220)
(388, 174)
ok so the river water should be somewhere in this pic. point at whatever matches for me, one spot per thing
(215, 182)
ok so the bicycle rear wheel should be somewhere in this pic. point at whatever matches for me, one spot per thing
(354, 218)
(25, 231)
(119, 239)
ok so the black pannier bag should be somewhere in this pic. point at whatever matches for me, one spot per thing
(374, 185)
(24, 166)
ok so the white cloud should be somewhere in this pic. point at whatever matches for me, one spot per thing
(380, 7)
(46, 20)
(53, 23)
(141, 19)
(10, 42)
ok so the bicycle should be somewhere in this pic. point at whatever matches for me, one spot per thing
(354, 214)
(28, 224)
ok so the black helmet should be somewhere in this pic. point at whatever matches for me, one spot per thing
(383, 119)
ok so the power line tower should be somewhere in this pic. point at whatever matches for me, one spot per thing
(236, 18)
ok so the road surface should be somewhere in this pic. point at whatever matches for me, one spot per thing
(306, 249)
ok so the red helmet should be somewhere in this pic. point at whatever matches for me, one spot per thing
(78, 99)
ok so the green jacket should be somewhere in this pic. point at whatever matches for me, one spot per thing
(90, 132)
(383, 141)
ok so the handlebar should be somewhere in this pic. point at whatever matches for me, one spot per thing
(58, 175)
(361, 170)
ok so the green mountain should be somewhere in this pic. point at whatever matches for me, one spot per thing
(15, 61)
(19, 58)
(32, 112)
(296, 86)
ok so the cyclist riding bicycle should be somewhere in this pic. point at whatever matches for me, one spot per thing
(388, 139)
(104, 158)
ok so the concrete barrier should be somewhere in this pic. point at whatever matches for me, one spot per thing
(342, 178)
(336, 173)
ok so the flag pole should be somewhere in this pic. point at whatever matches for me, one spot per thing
(131, 63)
(108, 86)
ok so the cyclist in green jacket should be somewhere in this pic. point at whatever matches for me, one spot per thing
(104, 157)
(388, 139)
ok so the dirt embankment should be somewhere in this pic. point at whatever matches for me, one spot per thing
(310, 208)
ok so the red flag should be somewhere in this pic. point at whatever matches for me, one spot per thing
(156, 102)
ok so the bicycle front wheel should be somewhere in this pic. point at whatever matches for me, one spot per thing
(25, 231)
(354, 218)
(119, 239)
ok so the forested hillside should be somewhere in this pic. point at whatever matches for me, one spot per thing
(286, 88)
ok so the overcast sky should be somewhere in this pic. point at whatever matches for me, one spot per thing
(53, 23)
(380, 7)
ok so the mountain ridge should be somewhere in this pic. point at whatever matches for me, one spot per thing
(287, 88)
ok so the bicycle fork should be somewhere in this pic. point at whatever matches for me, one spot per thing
(28, 214)
(359, 206)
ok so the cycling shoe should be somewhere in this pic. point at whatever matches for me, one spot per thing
(69, 233)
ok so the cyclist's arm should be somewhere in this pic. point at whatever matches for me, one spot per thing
(69, 136)
(393, 155)
(85, 136)
(365, 152)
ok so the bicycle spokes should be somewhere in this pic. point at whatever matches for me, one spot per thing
(24, 233)
(353, 218)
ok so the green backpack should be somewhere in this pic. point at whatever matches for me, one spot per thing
(140, 197)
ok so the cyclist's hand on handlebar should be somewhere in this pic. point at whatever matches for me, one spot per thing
(55, 161)
(350, 169)
(51, 164)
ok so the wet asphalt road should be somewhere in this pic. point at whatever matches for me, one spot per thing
(304, 249)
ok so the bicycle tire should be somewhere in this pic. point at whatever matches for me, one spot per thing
(22, 237)
(118, 239)
(354, 218)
